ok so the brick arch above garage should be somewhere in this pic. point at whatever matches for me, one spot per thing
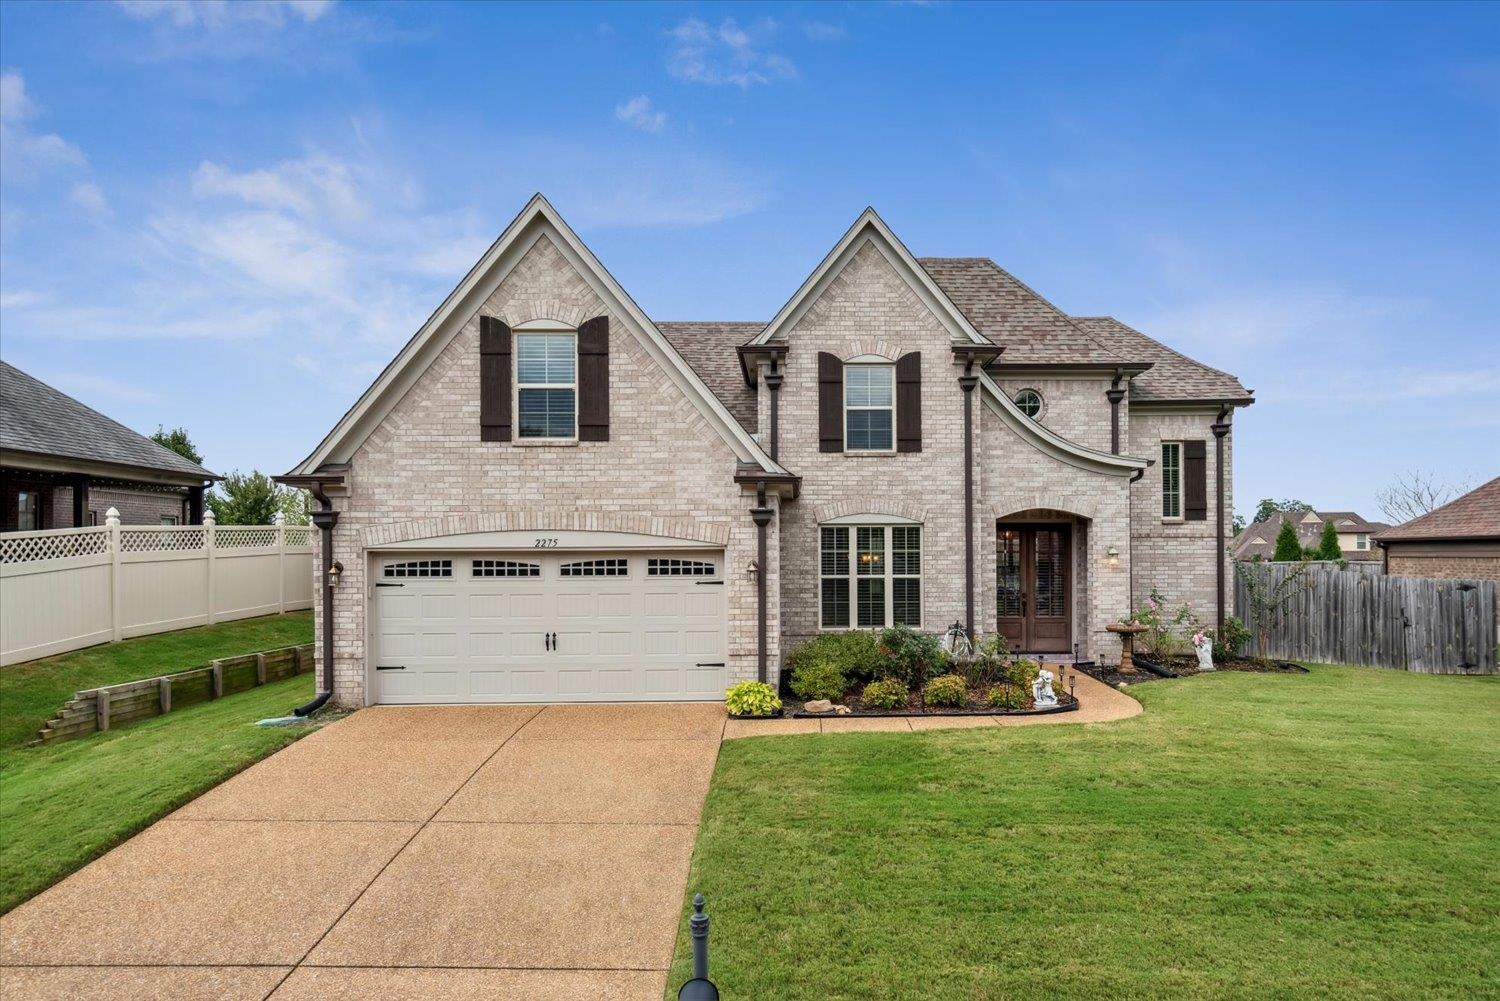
(710, 533)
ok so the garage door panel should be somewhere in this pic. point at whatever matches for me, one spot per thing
(622, 632)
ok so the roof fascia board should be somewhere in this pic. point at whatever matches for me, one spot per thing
(47, 463)
(1187, 406)
(871, 228)
(1106, 370)
(1049, 442)
(534, 221)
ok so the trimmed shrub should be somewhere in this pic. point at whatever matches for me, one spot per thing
(818, 679)
(1008, 697)
(751, 698)
(910, 657)
(886, 694)
(855, 653)
(1328, 546)
(1288, 546)
(1023, 672)
(948, 690)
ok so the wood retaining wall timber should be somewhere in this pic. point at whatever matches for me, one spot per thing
(130, 702)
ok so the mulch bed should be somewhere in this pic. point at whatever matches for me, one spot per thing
(976, 706)
(1187, 667)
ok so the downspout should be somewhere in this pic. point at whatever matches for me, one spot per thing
(325, 518)
(1135, 478)
(774, 379)
(967, 382)
(1220, 428)
(1114, 394)
(761, 515)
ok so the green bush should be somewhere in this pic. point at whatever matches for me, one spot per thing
(910, 657)
(1230, 639)
(947, 690)
(818, 679)
(887, 694)
(751, 698)
(1022, 672)
(855, 653)
(1008, 697)
(1288, 546)
(980, 671)
(1328, 545)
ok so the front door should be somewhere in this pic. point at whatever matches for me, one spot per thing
(1032, 592)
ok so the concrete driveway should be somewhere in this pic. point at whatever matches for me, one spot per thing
(455, 852)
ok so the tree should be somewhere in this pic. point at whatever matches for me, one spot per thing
(1328, 546)
(1237, 525)
(1413, 494)
(253, 499)
(178, 441)
(1288, 546)
(1268, 508)
(1269, 591)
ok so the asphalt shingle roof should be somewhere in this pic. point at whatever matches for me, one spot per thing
(709, 348)
(34, 417)
(1475, 515)
(1172, 375)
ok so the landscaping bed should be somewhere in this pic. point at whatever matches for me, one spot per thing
(1156, 669)
(975, 704)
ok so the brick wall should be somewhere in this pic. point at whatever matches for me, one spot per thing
(1460, 561)
(136, 507)
(665, 471)
(1075, 408)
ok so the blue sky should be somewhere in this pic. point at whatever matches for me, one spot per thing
(231, 216)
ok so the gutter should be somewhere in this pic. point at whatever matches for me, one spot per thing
(324, 518)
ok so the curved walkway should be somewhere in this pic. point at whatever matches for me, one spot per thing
(1098, 703)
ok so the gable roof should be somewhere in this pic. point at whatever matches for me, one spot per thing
(538, 219)
(709, 347)
(1475, 515)
(1259, 538)
(36, 418)
(1173, 376)
(1009, 313)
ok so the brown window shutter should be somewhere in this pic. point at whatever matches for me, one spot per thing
(593, 379)
(1194, 481)
(830, 402)
(494, 379)
(909, 402)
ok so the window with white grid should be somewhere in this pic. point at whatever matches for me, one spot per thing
(597, 568)
(672, 567)
(419, 568)
(506, 568)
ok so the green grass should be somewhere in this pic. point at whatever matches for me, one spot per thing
(1330, 835)
(30, 693)
(65, 804)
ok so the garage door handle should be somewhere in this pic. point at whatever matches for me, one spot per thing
(719, 583)
(717, 663)
(390, 667)
(381, 583)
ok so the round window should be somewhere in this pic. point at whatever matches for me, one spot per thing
(1030, 403)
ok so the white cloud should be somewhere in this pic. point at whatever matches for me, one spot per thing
(823, 31)
(85, 385)
(639, 113)
(90, 197)
(24, 153)
(20, 299)
(214, 14)
(1244, 324)
(727, 54)
(313, 184)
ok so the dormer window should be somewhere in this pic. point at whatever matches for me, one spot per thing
(870, 406)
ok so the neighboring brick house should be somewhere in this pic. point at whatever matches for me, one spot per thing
(548, 496)
(1356, 534)
(1458, 541)
(64, 465)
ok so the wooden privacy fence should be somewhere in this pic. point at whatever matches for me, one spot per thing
(117, 705)
(74, 587)
(1359, 617)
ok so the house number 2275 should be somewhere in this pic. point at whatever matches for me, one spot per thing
(545, 544)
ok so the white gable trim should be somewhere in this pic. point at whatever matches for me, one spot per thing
(537, 220)
(869, 228)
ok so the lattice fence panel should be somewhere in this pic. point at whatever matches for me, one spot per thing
(298, 535)
(244, 538)
(30, 548)
(160, 540)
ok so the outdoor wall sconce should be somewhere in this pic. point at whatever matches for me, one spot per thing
(1112, 558)
(335, 572)
(753, 569)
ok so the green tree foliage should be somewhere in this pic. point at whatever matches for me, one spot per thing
(178, 441)
(1288, 548)
(1267, 508)
(253, 499)
(1328, 546)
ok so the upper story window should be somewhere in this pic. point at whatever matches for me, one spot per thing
(1171, 479)
(869, 407)
(1029, 402)
(871, 576)
(1362, 541)
(547, 385)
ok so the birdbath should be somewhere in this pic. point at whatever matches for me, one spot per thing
(1127, 632)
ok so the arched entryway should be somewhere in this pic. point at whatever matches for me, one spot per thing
(1039, 586)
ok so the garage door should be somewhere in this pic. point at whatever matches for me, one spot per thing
(574, 627)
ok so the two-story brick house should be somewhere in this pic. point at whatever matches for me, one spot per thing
(548, 496)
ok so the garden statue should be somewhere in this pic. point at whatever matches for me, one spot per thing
(1204, 644)
(1041, 690)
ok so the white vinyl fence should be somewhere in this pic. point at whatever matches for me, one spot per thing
(74, 587)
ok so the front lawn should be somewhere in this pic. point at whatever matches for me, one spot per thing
(64, 804)
(1329, 835)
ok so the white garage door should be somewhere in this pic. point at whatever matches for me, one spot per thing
(572, 627)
